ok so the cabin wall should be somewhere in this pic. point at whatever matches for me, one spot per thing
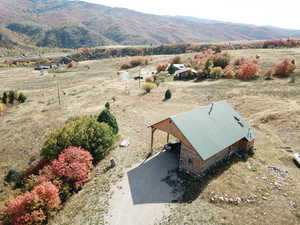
(192, 163)
(246, 145)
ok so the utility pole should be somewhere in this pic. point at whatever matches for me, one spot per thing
(58, 90)
(58, 93)
(140, 78)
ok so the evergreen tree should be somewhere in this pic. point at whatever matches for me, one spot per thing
(171, 69)
(107, 117)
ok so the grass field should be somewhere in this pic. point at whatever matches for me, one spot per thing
(271, 107)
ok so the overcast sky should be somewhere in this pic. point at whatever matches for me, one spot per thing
(280, 13)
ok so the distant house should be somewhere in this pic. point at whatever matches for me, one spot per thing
(186, 73)
(45, 66)
(207, 135)
(179, 66)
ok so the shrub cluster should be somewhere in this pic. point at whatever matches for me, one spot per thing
(10, 97)
(72, 64)
(86, 132)
(11, 176)
(32, 207)
(54, 183)
(216, 73)
(280, 43)
(162, 67)
(25, 62)
(74, 166)
(134, 63)
(214, 65)
(210, 64)
(2, 108)
(221, 60)
(248, 71)
(284, 69)
(100, 53)
(229, 72)
(150, 79)
(148, 86)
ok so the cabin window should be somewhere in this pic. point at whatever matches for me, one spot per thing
(190, 161)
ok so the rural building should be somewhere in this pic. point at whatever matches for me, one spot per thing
(207, 135)
(179, 66)
(186, 73)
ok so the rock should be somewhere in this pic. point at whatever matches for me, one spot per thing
(1, 191)
(292, 204)
(125, 143)
(264, 198)
(112, 163)
(252, 196)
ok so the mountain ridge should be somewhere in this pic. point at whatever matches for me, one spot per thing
(74, 24)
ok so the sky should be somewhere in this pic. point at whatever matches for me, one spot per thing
(279, 13)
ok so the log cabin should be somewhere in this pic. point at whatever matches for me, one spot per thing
(207, 135)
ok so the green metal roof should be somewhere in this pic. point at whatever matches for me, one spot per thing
(212, 128)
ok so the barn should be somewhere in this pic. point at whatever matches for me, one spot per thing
(206, 135)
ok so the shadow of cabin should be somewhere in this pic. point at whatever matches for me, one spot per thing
(146, 181)
(194, 186)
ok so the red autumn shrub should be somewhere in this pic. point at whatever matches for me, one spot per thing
(47, 175)
(177, 60)
(48, 195)
(229, 72)
(280, 43)
(32, 207)
(74, 165)
(134, 63)
(125, 66)
(150, 79)
(162, 67)
(248, 71)
(72, 64)
(284, 69)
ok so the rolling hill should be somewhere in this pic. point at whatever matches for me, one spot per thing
(73, 24)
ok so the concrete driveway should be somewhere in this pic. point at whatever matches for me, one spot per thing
(142, 196)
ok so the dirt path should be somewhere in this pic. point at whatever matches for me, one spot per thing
(142, 196)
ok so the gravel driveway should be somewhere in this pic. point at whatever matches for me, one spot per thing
(142, 196)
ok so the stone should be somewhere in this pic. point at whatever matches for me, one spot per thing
(112, 163)
(125, 143)
(252, 196)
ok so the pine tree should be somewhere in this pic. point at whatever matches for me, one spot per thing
(171, 69)
(107, 117)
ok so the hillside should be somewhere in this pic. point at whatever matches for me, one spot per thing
(267, 182)
(73, 24)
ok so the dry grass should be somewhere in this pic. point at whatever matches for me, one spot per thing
(272, 107)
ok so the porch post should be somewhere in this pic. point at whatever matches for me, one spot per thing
(168, 138)
(152, 137)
